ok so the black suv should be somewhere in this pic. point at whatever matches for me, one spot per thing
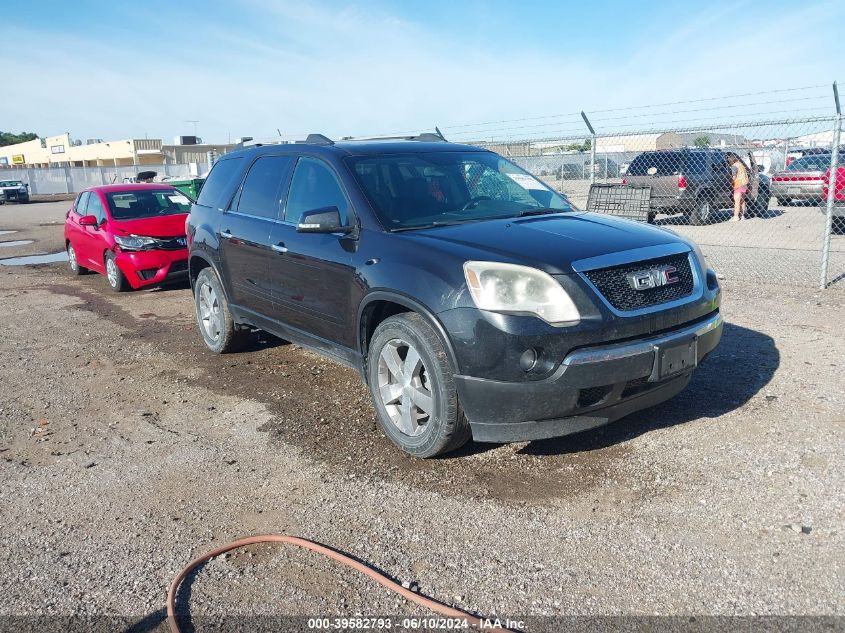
(696, 182)
(474, 300)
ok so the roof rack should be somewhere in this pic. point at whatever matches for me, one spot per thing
(425, 137)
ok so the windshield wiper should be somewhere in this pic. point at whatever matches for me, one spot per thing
(543, 211)
(426, 226)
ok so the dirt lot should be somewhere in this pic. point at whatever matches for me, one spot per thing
(126, 449)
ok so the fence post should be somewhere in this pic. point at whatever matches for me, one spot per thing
(592, 147)
(30, 178)
(831, 196)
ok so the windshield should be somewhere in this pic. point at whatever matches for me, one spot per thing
(146, 203)
(818, 162)
(435, 188)
(11, 183)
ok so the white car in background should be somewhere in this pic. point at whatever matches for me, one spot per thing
(13, 191)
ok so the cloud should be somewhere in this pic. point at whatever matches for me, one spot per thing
(257, 66)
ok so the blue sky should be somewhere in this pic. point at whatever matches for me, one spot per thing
(103, 69)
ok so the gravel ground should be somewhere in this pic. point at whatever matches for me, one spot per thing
(126, 449)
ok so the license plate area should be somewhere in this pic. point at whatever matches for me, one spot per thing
(794, 190)
(674, 359)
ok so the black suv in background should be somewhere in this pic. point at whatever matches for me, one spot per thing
(696, 182)
(474, 300)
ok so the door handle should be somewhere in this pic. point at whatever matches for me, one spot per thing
(226, 234)
(280, 247)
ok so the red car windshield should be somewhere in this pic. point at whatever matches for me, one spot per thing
(146, 203)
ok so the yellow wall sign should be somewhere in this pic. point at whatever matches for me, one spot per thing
(17, 159)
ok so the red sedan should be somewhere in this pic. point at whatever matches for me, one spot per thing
(133, 234)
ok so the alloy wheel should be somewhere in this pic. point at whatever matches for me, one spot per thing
(404, 386)
(112, 272)
(704, 212)
(211, 317)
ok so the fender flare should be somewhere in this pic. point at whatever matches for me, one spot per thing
(208, 260)
(411, 304)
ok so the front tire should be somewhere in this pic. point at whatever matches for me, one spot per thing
(115, 277)
(73, 261)
(213, 315)
(413, 387)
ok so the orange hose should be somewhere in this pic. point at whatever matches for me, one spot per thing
(428, 603)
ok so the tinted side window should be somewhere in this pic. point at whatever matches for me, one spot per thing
(696, 163)
(96, 208)
(82, 202)
(720, 163)
(314, 186)
(262, 188)
(220, 183)
(656, 164)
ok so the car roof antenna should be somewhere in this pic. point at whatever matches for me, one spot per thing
(440, 134)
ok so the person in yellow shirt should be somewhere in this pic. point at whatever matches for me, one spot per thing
(739, 177)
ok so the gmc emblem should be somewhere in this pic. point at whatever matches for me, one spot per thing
(653, 277)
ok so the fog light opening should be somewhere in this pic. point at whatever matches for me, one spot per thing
(528, 360)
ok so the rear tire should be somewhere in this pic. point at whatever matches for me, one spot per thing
(413, 387)
(214, 318)
(838, 226)
(73, 262)
(702, 213)
(783, 202)
(115, 277)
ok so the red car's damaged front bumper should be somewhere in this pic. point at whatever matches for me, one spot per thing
(149, 268)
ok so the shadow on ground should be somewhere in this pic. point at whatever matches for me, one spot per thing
(742, 364)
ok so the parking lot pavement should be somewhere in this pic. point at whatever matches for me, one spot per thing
(126, 449)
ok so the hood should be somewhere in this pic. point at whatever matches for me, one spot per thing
(550, 242)
(156, 226)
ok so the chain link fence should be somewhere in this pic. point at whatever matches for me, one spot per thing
(753, 195)
(59, 180)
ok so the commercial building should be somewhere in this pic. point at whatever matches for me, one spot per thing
(63, 151)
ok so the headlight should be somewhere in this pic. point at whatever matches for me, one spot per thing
(514, 289)
(135, 242)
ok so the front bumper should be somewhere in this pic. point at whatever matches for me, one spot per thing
(591, 387)
(14, 196)
(150, 268)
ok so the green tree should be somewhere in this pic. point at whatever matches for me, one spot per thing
(579, 147)
(8, 138)
(702, 141)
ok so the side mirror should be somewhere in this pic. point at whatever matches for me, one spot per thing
(88, 220)
(325, 220)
